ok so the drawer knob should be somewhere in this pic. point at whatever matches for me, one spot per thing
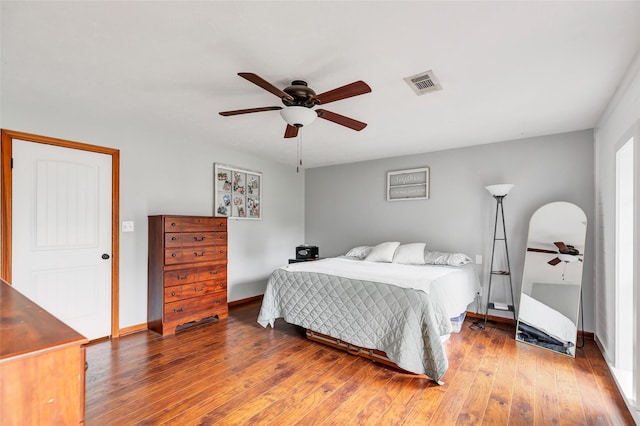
(173, 238)
(199, 239)
(213, 272)
(182, 277)
(173, 255)
(221, 251)
(198, 255)
(198, 289)
(173, 224)
(221, 285)
(178, 310)
(173, 293)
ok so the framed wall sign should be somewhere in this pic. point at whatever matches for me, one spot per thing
(237, 193)
(410, 184)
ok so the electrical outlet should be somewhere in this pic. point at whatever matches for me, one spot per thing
(478, 259)
(127, 226)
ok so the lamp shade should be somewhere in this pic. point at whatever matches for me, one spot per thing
(298, 116)
(499, 190)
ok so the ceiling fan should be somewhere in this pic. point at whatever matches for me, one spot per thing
(566, 253)
(299, 99)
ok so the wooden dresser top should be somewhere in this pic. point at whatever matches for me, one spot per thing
(25, 327)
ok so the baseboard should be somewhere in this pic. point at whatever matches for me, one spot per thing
(133, 329)
(144, 326)
(587, 334)
(244, 301)
(493, 318)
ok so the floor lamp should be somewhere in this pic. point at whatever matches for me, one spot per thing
(499, 192)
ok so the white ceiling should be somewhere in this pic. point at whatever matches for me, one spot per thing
(508, 69)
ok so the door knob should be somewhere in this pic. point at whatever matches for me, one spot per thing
(105, 256)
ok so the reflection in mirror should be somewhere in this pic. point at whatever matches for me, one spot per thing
(552, 278)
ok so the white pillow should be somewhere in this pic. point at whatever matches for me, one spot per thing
(382, 252)
(410, 254)
(360, 252)
(451, 259)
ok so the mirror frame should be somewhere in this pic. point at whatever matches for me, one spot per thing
(551, 287)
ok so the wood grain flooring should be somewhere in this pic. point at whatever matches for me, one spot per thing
(234, 372)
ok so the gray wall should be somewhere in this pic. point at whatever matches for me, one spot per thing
(162, 173)
(346, 207)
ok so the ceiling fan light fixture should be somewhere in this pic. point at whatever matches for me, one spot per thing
(298, 116)
(567, 258)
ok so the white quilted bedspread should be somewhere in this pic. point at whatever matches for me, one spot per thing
(402, 322)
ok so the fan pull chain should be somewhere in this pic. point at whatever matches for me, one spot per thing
(299, 154)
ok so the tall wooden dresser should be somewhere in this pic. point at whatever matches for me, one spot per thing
(187, 270)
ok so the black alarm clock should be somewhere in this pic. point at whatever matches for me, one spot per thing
(307, 252)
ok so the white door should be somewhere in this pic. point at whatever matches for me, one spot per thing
(61, 236)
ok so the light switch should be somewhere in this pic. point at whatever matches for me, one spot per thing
(478, 259)
(127, 226)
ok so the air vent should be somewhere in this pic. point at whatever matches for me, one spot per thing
(425, 82)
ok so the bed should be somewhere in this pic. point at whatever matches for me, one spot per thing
(398, 311)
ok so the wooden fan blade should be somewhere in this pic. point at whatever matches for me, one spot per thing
(290, 131)
(567, 248)
(537, 250)
(354, 89)
(341, 119)
(249, 110)
(261, 82)
(554, 261)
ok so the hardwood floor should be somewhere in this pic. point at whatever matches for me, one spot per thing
(236, 372)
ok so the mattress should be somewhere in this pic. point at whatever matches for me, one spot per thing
(454, 288)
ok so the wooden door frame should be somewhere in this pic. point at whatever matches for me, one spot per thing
(6, 219)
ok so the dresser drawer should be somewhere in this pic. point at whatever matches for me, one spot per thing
(219, 285)
(173, 256)
(220, 224)
(192, 239)
(195, 289)
(203, 254)
(196, 239)
(220, 238)
(175, 311)
(173, 239)
(172, 294)
(180, 276)
(194, 254)
(219, 299)
(200, 288)
(212, 272)
(194, 224)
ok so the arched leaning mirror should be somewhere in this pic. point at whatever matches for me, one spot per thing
(552, 278)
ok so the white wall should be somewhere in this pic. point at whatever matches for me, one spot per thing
(346, 207)
(620, 121)
(164, 174)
